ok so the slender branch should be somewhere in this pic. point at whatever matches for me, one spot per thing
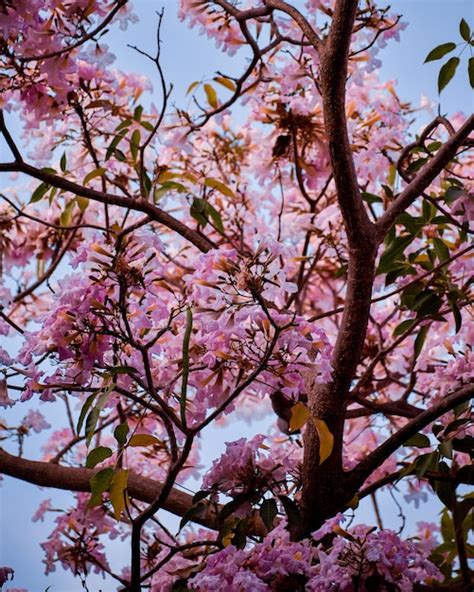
(380, 454)
(81, 41)
(48, 273)
(426, 175)
(436, 268)
(296, 15)
(9, 140)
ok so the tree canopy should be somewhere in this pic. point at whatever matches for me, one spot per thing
(164, 270)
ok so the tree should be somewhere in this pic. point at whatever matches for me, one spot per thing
(314, 258)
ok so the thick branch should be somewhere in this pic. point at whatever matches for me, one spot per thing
(380, 454)
(323, 489)
(425, 176)
(140, 488)
(333, 76)
(140, 204)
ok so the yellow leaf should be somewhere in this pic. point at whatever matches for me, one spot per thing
(211, 95)
(227, 539)
(392, 174)
(82, 203)
(167, 176)
(299, 416)
(143, 440)
(192, 86)
(326, 440)
(66, 216)
(117, 492)
(226, 82)
(216, 184)
(93, 174)
(354, 503)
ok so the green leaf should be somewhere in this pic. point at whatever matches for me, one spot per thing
(240, 534)
(122, 370)
(185, 375)
(420, 340)
(215, 216)
(446, 449)
(470, 70)
(268, 512)
(465, 30)
(453, 193)
(121, 432)
(117, 492)
(441, 249)
(402, 327)
(416, 165)
(371, 198)
(100, 482)
(40, 192)
(419, 441)
(427, 303)
(456, 314)
(291, 509)
(115, 142)
(66, 215)
(147, 125)
(433, 146)
(168, 186)
(410, 293)
(63, 163)
(137, 114)
(446, 73)
(394, 253)
(444, 490)
(200, 495)
(135, 144)
(93, 174)
(425, 462)
(97, 455)
(124, 124)
(93, 416)
(193, 511)
(147, 184)
(198, 211)
(84, 410)
(440, 51)
(447, 527)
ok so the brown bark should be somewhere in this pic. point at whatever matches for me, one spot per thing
(140, 488)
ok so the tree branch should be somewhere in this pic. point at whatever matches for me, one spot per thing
(322, 489)
(360, 473)
(296, 15)
(425, 176)
(333, 76)
(140, 204)
(143, 489)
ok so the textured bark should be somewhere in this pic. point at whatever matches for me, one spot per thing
(323, 485)
(140, 488)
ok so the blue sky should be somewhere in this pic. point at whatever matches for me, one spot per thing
(188, 57)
